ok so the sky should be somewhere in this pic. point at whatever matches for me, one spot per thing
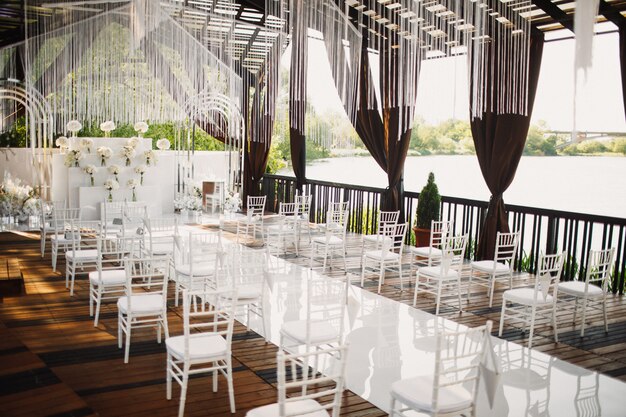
(443, 91)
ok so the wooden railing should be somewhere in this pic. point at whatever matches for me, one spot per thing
(541, 230)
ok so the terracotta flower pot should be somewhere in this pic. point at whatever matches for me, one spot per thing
(422, 237)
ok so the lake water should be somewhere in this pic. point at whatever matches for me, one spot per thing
(585, 184)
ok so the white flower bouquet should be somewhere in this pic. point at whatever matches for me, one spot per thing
(232, 202)
(132, 184)
(90, 170)
(72, 158)
(134, 141)
(110, 185)
(105, 153)
(163, 144)
(128, 152)
(193, 203)
(115, 170)
(141, 128)
(62, 143)
(86, 144)
(150, 157)
(73, 126)
(16, 199)
(107, 127)
(141, 169)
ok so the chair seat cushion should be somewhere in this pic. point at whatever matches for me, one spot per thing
(308, 408)
(417, 393)
(60, 239)
(142, 304)
(487, 266)
(426, 251)
(577, 288)
(377, 239)
(332, 240)
(82, 254)
(109, 277)
(200, 269)
(435, 272)
(380, 255)
(200, 347)
(320, 331)
(526, 296)
(162, 248)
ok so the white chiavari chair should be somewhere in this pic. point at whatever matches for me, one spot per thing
(333, 240)
(253, 222)
(82, 252)
(61, 238)
(439, 230)
(386, 257)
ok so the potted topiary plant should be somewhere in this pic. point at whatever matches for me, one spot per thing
(428, 206)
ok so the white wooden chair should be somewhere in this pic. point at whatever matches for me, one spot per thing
(159, 234)
(144, 303)
(205, 345)
(108, 281)
(325, 385)
(501, 267)
(196, 261)
(253, 221)
(82, 252)
(386, 221)
(438, 233)
(46, 220)
(216, 198)
(61, 238)
(593, 291)
(432, 279)
(387, 256)
(284, 230)
(111, 216)
(303, 203)
(134, 215)
(452, 388)
(526, 304)
(334, 238)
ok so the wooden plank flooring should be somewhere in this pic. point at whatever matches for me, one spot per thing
(54, 362)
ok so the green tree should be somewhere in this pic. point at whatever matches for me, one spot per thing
(619, 146)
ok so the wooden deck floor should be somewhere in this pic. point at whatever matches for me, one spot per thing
(53, 362)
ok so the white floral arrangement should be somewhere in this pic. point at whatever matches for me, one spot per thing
(90, 170)
(128, 152)
(141, 169)
(62, 142)
(107, 127)
(110, 185)
(141, 127)
(163, 144)
(132, 184)
(232, 202)
(86, 144)
(74, 126)
(193, 203)
(105, 153)
(115, 171)
(134, 141)
(17, 199)
(179, 202)
(150, 156)
(73, 157)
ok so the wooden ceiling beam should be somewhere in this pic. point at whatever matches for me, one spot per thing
(556, 13)
(612, 14)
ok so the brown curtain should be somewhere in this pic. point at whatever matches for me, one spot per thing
(499, 141)
(297, 99)
(622, 60)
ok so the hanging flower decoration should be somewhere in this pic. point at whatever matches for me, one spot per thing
(115, 171)
(150, 157)
(141, 128)
(62, 143)
(110, 185)
(73, 126)
(72, 158)
(141, 169)
(107, 127)
(132, 184)
(134, 141)
(90, 170)
(128, 152)
(105, 153)
(86, 144)
(163, 144)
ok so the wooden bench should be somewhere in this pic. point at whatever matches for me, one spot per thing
(11, 279)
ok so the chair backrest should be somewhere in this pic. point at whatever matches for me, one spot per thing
(256, 204)
(162, 225)
(326, 382)
(111, 210)
(548, 275)
(84, 234)
(218, 319)
(385, 218)
(326, 303)
(62, 218)
(337, 222)
(199, 250)
(453, 253)
(340, 206)
(147, 275)
(506, 247)
(599, 268)
(457, 360)
(396, 243)
(304, 206)
(47, 207)
(439, 231)
(288, 209)
(111, 253)
(244, 267)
